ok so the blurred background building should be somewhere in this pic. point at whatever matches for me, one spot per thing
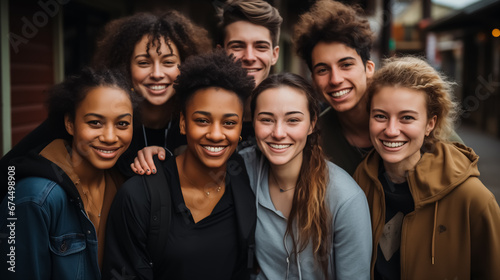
(42, 41)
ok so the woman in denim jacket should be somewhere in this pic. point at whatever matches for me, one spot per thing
(54, 214)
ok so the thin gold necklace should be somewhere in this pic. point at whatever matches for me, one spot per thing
(90, 201)
(207, 192)
(282, 190)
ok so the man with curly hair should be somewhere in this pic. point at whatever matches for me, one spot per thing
(335, 41)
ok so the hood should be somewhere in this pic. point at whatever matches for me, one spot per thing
(440, 170)
(33, 164)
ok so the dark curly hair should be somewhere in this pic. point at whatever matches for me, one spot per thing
(215, 69)
(116, 46)
(331, 21)
(65, 97)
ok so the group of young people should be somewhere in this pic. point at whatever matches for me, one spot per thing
(256, 182)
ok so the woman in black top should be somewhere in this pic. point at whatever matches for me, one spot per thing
(210, 235)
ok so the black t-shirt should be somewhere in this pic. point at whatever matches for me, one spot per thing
(398, 203)
(210, 245)
(209, 249)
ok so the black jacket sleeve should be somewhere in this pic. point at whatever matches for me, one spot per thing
(125, 254)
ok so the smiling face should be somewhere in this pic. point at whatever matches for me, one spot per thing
(398, 125)
(212, 124)
(282, 123)
(339, 73)
(253, 45)
(102, 128)
(153, 73)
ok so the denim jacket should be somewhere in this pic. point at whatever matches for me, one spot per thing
(54, 239)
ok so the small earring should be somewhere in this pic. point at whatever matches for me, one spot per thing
(241, 138)
(132, 89)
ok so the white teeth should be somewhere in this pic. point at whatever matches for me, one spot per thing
(252, 70)
(157, 87)
(105, 151)
(341, 93)
(393, 144)
(279, 146)
(214, 149)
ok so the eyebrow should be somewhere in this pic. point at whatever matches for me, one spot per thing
(208, 114)
(286, 114)
(402, 112)
(102, 117)
(340, 60)
(243, 42)
(147, 55)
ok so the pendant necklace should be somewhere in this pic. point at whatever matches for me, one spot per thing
(282, 190)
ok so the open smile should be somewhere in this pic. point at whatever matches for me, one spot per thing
(339, 93)
(393, 144)
(106, 152)
(157, 88)
(214, 150)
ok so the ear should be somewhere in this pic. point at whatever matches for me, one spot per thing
(70, 128)
(312, 126)
(182, 124)
(370, 69)
(276, 55)
(430, 125)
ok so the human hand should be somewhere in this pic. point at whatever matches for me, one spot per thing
(143, 162)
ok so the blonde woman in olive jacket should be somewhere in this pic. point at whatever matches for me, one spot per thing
(432, 218)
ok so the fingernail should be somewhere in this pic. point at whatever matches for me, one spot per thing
(154, 171)
(147, 170)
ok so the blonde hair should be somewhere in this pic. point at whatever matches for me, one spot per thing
(415, 73)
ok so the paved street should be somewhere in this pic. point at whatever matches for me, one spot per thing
(488, 149)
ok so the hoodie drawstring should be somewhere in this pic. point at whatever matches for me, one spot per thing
(434, 232)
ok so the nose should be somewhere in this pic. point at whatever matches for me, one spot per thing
(108, 135)
(249, 55)
(278, 131)
(392, 129)
(157, 71)
(335, 77)
(215, 133)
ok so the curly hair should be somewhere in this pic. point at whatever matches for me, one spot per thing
(331, 21)
(117, 43)
(309, 209)
(414, 73)
(257, 12)
(215, 69)
(65, 97)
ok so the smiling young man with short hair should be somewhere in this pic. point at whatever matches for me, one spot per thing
(250, 31)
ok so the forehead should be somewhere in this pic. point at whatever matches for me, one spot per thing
(282, 98)
(399, 99)
(145, 40)
(214, 99)
(246, 32)
(105, 101)
(332, 52)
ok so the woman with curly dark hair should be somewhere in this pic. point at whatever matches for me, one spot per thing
(63, 190)
(212, 217)
(148, 48)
